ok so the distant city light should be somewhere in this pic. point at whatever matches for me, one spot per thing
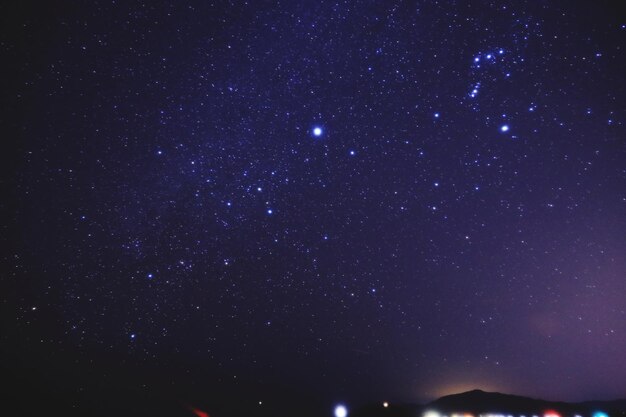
(431, 414)
(341, 411)
(551, 413)
(600, 414)
(385, 404)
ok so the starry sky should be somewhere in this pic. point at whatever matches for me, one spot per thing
(246, 201)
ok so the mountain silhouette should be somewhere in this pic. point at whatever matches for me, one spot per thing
(480, 402)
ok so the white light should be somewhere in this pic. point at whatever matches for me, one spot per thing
(431, 414)
(341, 411)
(385, 404)
(317, 131)
(504, 128)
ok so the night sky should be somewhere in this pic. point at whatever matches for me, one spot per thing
(309, 202)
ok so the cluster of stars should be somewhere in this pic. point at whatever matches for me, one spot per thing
(240, 187)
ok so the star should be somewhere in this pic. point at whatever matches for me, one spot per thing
(504, 128)
(317, 131)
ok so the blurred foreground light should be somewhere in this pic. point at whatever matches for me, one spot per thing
(600, 414)
(431, 413)
(551, 413)
(341, 411)
(385, 404)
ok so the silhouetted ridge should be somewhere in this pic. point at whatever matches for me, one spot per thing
(480, 402)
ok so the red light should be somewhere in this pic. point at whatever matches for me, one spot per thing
(199, 413)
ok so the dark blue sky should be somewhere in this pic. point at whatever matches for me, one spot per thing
(457, 222)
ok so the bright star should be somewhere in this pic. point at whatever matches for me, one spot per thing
(341, 411)
(317, 131)
(504, 128)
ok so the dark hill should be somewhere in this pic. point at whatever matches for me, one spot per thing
(481, 402)
(478, 402)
